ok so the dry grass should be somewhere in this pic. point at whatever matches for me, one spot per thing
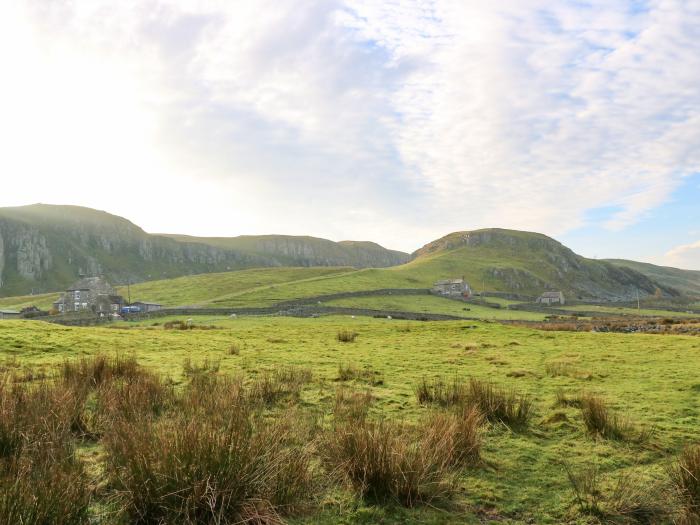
(685, 477)
(346, 336)
(352, 405)
(386, 461)
(352, 371)
(600, 421)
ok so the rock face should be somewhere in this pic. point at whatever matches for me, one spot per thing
(529, 263)
(45, 248)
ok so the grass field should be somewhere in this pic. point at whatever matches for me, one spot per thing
(620, 310)
(652, 380)
(436, 305)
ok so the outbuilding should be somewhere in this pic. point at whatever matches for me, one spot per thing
(9, 314)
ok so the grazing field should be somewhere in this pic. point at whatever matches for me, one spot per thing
(621, 310)
(524, 415)
(434, 304)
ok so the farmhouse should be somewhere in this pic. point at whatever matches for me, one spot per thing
(92, 294)
(452, 288)
(9, 314)
(549, 298)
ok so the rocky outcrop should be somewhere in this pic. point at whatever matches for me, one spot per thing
(45, 248)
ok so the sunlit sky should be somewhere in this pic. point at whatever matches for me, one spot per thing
(392, 121)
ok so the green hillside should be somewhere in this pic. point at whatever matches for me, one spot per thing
(495, 260)
(45, 248)
(685, 281)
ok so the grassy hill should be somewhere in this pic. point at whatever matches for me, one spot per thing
(685, 281)
(495, 260)
(45, 248)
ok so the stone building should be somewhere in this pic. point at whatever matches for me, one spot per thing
(452, 288)
(92, 294)
(549, 298)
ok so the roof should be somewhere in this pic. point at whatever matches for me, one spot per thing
(552, 295)
(9, 312)
(92, 283)
(147, 303)
(450, 281)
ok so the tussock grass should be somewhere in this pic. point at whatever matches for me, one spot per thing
(282, 383)
(497, 404)
(235, 348)
(352, 371)
(207, 366)
(601, 421)
(627, 497)
(91, 372)
(346, 336)
(685, 478)
(460, 432)
(386, 461)
(352, 404)
(218, 463)
(40, 479)
(562, 399)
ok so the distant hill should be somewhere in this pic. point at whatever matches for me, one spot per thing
(46, 247)
(685, 281)
(528, 263)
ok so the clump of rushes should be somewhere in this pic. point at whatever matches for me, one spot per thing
(386, 461)
(207, 366)
(40, 479)
(218, 463)
(461, 433)
(91, 372)
(346, 336)
(234, 349)
(685, 477)
(495, 403)
(352, 404)
(284, 383)
(351, 371)
(601, 421)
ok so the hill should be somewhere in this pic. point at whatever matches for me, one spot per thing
(46, 247)
(496, 260)
(685, 281)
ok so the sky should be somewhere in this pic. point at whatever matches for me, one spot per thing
(396, 121)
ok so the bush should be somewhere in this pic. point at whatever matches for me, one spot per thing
(346, 336)
(386, 461)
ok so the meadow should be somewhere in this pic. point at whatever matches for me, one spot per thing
(538, 395)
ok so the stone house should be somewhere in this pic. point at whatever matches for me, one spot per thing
(9, 314)
(92, 294)
(452, 288)
(549, 298)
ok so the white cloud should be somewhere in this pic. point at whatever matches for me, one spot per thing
(685, 256)
(396, 121)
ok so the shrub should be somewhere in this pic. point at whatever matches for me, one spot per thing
(685, 477)
(386, 461)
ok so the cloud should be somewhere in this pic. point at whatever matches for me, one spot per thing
(396, 121)
(684, 256)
